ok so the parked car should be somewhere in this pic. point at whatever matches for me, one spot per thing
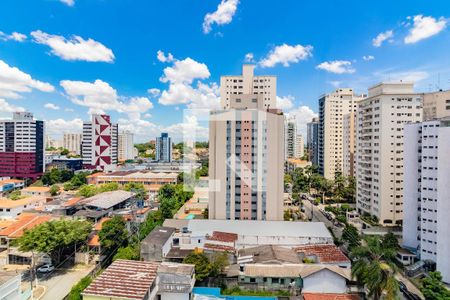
(46, 268)
(402, 286)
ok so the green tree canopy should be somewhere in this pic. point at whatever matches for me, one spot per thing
(54, 190)
(202, 265)
(113, 235)
(433, 288)
(351, 235)
(130, 252)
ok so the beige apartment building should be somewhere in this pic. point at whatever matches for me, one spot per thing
(246, 145)
(380, 124)
(332, 108)
(349, 144)
(72, 142)
(436, 105)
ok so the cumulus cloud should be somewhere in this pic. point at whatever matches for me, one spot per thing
(163, 58)
(15, 36)
(286, 54)
(68, 2)
(75, 48)
(223, 15)
(424, 27)
(368, 57)
(51, 106)
(303, 115)
(185, 71)
(285, 103)
(14, 81)
(99, 96)
(58, 126)
(381, 37)
(249, 57)
(154, 92)
(337, 66)
(9, 108)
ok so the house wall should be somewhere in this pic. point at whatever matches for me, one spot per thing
(175, 296)
(324, 281)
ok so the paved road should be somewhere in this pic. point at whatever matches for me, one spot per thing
(60, 282)
(313, 210)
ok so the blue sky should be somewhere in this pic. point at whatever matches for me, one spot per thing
(62, 59)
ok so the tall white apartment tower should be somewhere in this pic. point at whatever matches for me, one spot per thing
(299, 146)
(290, 136)
(426, 192)
(246, 150)
(380, 122)
(72, 142)
(125, 146)
(349, 144)
(100, 143)
(332, 108)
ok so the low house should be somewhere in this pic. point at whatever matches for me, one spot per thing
(12, 208)
(323, 254)
(328, 296)
(267, 254)
(175, 281)
(8, 185)
(43, 191)
(157, 244)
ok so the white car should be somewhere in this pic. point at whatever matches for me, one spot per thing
(46, 268)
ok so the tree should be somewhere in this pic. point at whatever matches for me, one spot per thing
(351, 236)
(130, 252)
(374, 267)
(108, 187)
(54, 237)
(15, 195)
(153, 219)
(433, 288)
(64, 152)
(87, 190)
(202, 265)
(167, 191)
(137, 188)
(54, 190)
(390, 241)
(218, 264)
(113, 235)
(75, 292)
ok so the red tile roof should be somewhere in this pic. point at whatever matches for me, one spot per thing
(94, 241)
(317, 296)
(219, 248)
(23, 222)
(124, 279)
(99, 224)
(223, 237)
(326, 253)
(72, 201)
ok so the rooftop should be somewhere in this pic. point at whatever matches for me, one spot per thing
(292, 270)
(314, 296)
(269, 253)
(159, 236)
(41, 189)
(125, 279)
(223, 237)
(7, 203)
(326, 253)
(22, 222)
(176, 268)
(108, 199)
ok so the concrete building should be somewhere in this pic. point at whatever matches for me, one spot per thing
(248, 84)
(426, 192)
(100, 143)
(72, 142)
(381, 120)
(290, 137)
(175, 281)
(10, 209)
(246, 152)
(349, 144)
(312, 141)
(163, 147)
(157, 244)
(332, 108)
(126, 146)
(299, 146)
(436, 105)
(22, 146)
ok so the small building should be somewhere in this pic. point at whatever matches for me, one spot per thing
(329, 296)
(8, 185)
(405, 257)
(175, 281)
(108, 201)
(66, 163)
(267, 254)
(43, 191)
(12, 208)
(157, 244)
(327, 254)
(295, 163)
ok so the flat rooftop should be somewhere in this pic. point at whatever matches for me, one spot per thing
(108, 199)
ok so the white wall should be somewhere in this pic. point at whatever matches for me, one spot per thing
(174, 296)
(324, 281)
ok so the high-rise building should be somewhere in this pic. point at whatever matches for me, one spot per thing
(22, 146)
(299, 146)
(100, 143)
(312, 141)
(246, 151)
(126, 146)
(436, 105)
(332, 108)
(349, 144)
(380, 122)
(426, 192)
(290, 136)
(72, 142)
(248, 84)
(163, 147)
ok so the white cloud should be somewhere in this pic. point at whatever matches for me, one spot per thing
(424, 27)
(75, 48)
(368, 57)
(154, 92)
(51, 106)
(249, 57)
(286, 54)
(303, 115)
(185, 71)
(68, 2)
(147, 115)
(14, 81)
(223, 15)
(337, 66)
(381, 37)
(99, 96)
(59, 126)
(285, 103)
(69, 109)
(15, 36)
(9, 108)
(163, 58)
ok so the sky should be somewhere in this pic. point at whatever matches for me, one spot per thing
(152, 64)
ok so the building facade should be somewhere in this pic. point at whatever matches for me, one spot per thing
(72, 142)
(126, 146)
(299, 146)
(426, 188)
(22, 146)
(100, 143)
(436, 105)
(312, 141)
(163, 152)
(290, 138)
(332, 108)
(349, 144)
(246, 155)
(380, 122)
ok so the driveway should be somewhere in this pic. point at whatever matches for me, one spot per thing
(60, 282)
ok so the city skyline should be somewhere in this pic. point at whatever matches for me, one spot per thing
(145, 71)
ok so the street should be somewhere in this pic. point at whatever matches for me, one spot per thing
(319, 217)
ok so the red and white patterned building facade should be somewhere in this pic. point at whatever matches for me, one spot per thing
(100, 143)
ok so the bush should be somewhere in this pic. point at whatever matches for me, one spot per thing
(75, 292)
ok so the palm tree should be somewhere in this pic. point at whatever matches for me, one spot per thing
(373, 265)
